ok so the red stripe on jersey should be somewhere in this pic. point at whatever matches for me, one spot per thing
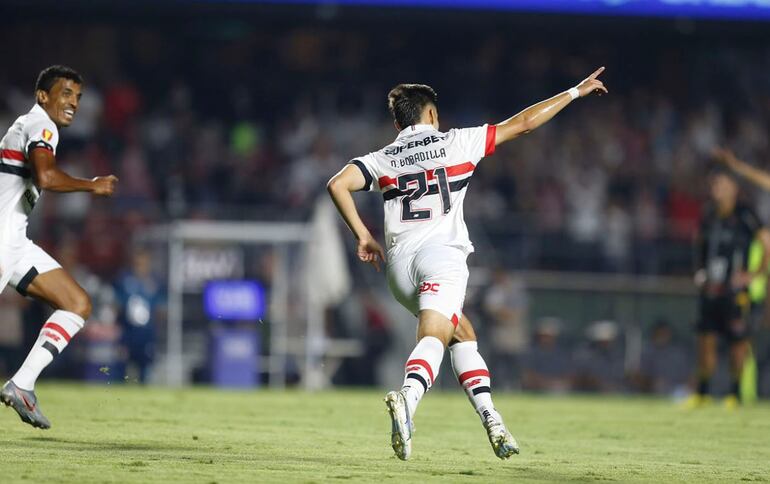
(58, 329)
(385, 181)
(12, 155)
(470, 374)
(491, 134)
(461, 169)
(423, 364)
(454, 170)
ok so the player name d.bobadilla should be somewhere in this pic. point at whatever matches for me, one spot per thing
(419, 156)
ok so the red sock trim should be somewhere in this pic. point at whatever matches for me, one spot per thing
(58, 329)
(471, 374)
(423, 364)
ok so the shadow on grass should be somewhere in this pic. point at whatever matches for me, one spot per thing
(105, 446)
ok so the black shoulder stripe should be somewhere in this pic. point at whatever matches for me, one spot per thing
(39, 144)
(367, 176)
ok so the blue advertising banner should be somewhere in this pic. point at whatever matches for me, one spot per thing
(713, 9)
(234, 300)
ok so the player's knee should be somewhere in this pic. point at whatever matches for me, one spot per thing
(80, 305)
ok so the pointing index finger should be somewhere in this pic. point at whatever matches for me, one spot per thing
(596, 73)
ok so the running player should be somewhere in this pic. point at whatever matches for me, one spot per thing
(423, 176)
(28, 165)
(726, 234)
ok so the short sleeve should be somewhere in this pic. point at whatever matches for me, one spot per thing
(367, 167)
(478, 142)
(41, 133)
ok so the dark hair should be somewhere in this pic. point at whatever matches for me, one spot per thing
(718, 169)
(407, 101)
(49, 75)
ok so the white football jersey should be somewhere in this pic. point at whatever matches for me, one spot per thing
(423, 176)
(18, 193)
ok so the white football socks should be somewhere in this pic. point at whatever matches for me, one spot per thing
(54, 337)
(472, 373)
(422, 369)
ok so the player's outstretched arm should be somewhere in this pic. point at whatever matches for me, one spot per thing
(340, 187)
(754, 175)
(49, 177)
(542, 112)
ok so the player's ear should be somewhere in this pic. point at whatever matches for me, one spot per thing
(433, 116)
(41, 96)
(395, 123)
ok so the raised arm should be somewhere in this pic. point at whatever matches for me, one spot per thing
(754, 175)
(340, 187)
(542, 112)
(49, 177)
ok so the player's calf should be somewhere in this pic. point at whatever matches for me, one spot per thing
(421, 370)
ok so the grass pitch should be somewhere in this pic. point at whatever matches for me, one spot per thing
(130, 434)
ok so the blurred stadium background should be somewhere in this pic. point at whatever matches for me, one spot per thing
(238, 112)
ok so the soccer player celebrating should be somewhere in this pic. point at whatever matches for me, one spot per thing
(423, 176)
(27, 166)
(726, 234)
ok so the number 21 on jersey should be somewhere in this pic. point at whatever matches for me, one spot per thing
(415, 186)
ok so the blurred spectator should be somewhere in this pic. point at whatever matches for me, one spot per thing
(140, 298)
(11, 332)
(547, 366)
(585, 191)
(377, 339)
(505, 305)
(309, 173)
(101, 242)
(86, 124)
(122, 103)
(98, 350)
(600, 365)
(665, 365)
(647, 226)
(617, 238)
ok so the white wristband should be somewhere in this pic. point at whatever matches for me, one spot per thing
(573, 93)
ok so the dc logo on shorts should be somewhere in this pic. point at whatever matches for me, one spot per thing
(429, 287)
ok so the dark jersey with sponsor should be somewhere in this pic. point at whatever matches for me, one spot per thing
(724, 246)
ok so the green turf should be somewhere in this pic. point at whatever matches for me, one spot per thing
(132, 434)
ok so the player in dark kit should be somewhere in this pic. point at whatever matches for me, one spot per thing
(727, 230)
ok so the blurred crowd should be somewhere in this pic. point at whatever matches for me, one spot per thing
(236, 120)
(251, 125)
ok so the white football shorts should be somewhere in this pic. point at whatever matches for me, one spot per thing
(21, 264)
(435, 277)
